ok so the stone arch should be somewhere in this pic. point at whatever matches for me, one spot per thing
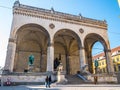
(32, 25)
(66, 47)
(89, 41)
(31, 39)
(72, 31)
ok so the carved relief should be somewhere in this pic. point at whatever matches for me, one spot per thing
(81, 30)
(52, 26)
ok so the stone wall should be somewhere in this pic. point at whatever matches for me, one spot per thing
(27, 78)
(103, 78)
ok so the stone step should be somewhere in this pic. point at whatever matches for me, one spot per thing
(74, 79)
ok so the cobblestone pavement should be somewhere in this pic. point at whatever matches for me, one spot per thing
(63, 87)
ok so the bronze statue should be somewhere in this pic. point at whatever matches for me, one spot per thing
(31, 59)
(56, 63)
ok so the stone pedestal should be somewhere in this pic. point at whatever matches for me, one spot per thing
(30, 68)
(61, 77)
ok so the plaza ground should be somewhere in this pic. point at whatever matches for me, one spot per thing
(64, 87)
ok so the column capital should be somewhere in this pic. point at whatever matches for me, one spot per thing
(50, 44)
(82, 48)
(107, 50)
(12, 40)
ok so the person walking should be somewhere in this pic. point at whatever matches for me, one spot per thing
(50, 81)
(47, 82)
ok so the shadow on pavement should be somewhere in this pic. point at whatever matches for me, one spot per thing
(25, 88)
(38, 88)
(43, 89)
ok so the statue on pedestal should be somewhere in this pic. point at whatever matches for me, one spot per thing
(31, 59)
(30, 63)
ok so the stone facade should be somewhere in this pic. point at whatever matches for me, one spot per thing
(48, 34)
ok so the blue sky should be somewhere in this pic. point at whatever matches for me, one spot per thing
(96, 9)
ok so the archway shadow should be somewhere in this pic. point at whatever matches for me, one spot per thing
(39, 88)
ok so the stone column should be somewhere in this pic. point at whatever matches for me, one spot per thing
(67, 64)
(42, 61)
(50, 57)
(109, 61)
(10, 55)
(82, 58)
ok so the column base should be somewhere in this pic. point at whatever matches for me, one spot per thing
(6, 71)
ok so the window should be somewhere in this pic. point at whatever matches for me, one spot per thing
(113, 60)
(103, 63)
(118, 50)
(117, 59)
(100, 70)
(99, 63)
(103, 70)
(118, 67)
(115, 68)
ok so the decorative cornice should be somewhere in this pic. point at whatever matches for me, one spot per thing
(57, 16)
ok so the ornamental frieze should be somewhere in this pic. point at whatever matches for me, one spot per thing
(58, 16)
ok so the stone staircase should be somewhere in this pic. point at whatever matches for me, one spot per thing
(74, 79)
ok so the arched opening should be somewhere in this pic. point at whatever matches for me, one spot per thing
(66, 49)
(31, 39)
(94, 41)
(99, 55)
